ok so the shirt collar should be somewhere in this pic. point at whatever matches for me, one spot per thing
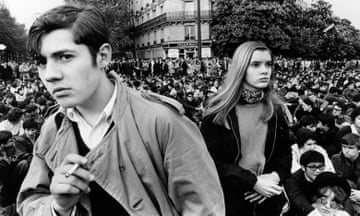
(74, 115)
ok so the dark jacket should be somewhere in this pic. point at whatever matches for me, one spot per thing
(347, 169)
(224, 146)
(300, 192)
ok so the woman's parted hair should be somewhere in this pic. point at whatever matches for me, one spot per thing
(88, 25)
(229, 93)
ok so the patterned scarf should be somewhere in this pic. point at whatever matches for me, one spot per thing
(251, 97)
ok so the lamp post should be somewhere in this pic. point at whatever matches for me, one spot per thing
(2, 50)
(199, 28)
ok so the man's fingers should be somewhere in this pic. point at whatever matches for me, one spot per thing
(74, 159)
(64, 189)
(80, 173)
(77, 183)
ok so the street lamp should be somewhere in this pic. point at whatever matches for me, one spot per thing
(199, 28)
(2, 49)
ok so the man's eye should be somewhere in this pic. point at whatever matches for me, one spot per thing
(65, 57)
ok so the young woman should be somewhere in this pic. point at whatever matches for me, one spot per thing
(247, 135)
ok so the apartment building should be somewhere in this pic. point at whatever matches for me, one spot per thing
(168, 28)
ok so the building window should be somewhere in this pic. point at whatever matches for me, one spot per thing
(189, 32)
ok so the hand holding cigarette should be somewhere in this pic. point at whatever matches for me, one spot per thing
(71, 179)
(71, 170)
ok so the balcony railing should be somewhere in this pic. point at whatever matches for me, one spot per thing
(173, 17)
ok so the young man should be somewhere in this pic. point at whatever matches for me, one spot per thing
(109, 150)
(347, 165)
(300, 187)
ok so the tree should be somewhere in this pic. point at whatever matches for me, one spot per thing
(287, 28)
(12, 34)
(237, 21)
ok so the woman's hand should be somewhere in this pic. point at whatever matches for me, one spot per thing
(267, 186)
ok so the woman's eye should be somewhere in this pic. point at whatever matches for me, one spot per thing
(255, 64)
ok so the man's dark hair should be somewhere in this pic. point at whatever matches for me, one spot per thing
(14, 115)
(30, 123)
(88, 25)
(355, 113)
(311, 156)
(327, 119)
(308, 120)
(303, 135)
(351, 139)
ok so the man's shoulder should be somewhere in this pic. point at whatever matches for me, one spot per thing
(48, 132)
(336, 157)
(156, 104)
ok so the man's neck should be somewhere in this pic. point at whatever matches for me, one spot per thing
(91, 111)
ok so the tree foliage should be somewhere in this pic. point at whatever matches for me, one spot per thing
(12, 34)
(118, 17)
(286, 27)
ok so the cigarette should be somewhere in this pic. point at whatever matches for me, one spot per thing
(71, 170)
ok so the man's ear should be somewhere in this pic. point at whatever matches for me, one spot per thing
(104, 54)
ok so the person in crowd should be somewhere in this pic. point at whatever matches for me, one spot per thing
(10, 100)
(326, 131)
(353, 128)
(355, 102)
(107, 149)
(13, 169)
(247, 135)
(30, 132)
(6, 150)
(299, 187)
(13, 122)
(307, 140)
(347, 165)
(307, 121)
(332, 194)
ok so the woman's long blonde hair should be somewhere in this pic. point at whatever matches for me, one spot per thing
(229, 94)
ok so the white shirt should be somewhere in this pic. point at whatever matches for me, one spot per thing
(93, 134)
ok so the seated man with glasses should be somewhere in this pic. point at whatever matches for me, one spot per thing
(300, 187)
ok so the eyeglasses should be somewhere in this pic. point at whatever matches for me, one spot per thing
(314, 168)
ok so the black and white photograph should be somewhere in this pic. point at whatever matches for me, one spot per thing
(179, 108)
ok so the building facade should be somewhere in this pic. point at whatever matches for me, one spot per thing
(168, 28)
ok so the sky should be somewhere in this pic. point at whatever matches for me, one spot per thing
(25, 11)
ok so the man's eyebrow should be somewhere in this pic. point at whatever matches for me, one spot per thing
(61, 52)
